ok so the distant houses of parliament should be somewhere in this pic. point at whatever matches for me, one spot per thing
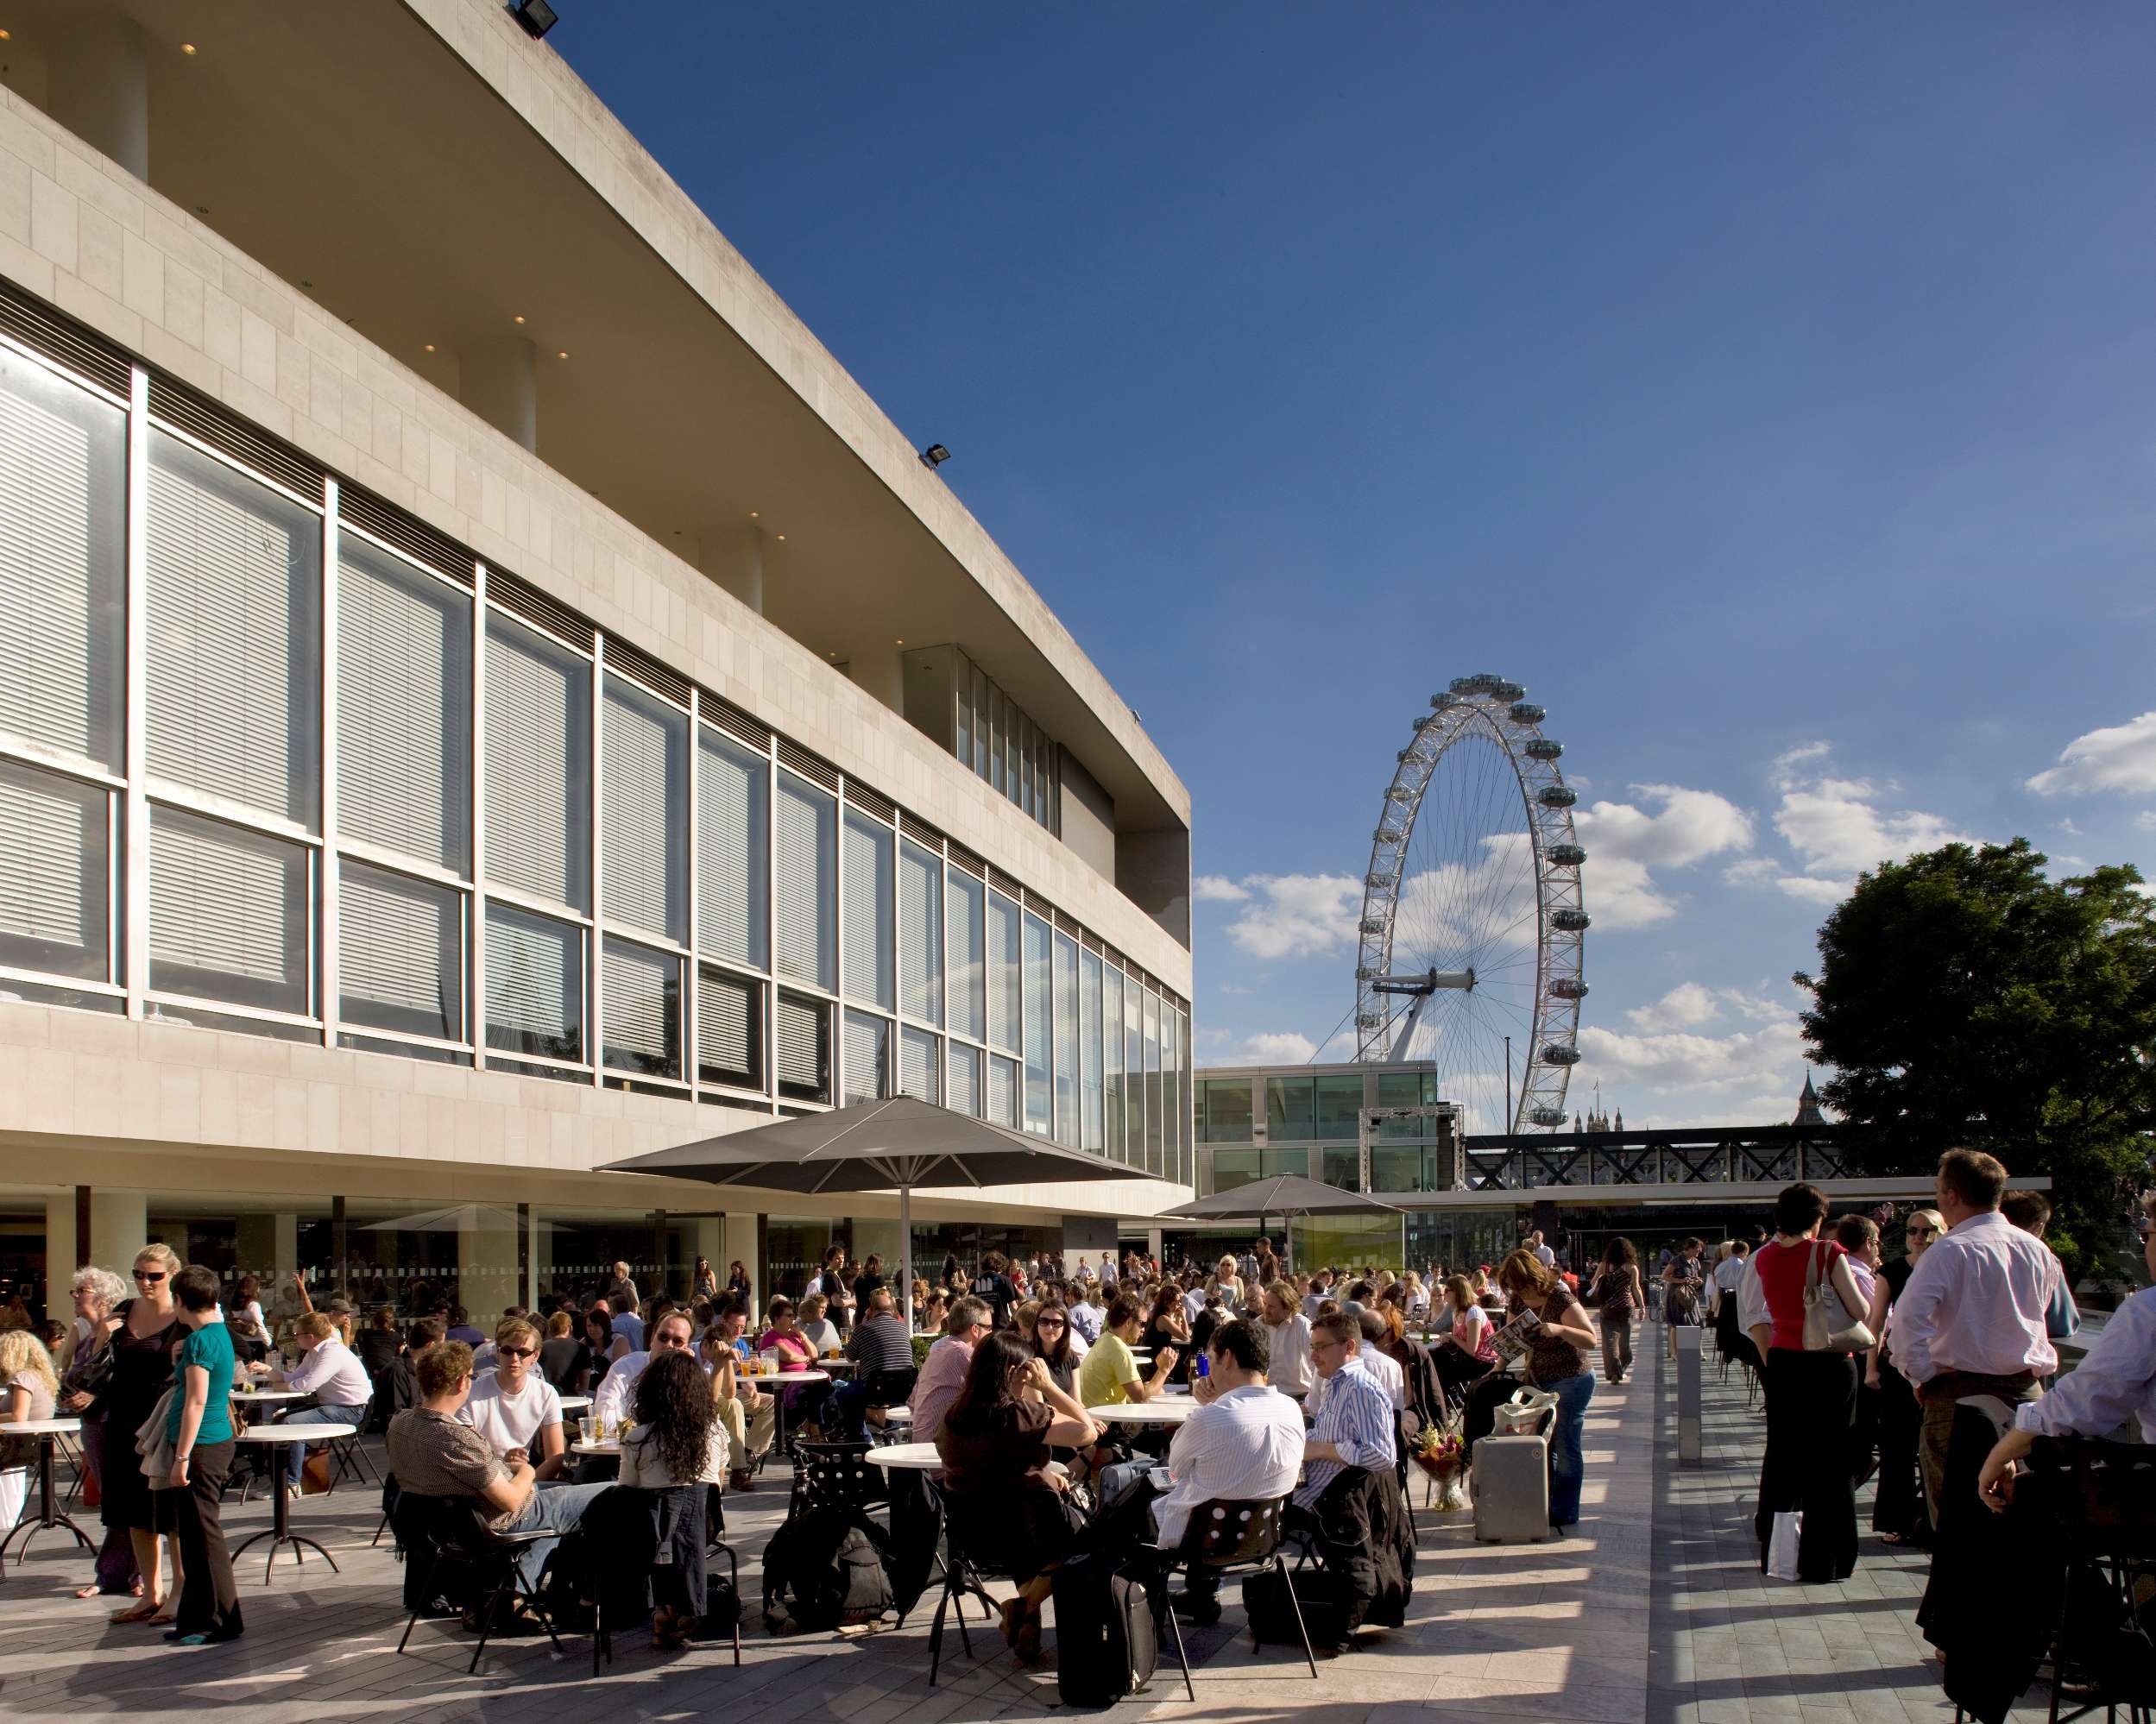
(1596, 1119)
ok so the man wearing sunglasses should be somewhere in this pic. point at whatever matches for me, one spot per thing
(330, 1371)
(515, 1408)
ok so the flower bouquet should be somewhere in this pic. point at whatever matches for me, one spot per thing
(1439, 1453)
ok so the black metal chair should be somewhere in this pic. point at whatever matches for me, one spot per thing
(450, 1533)
(1226, 1537)
(835, 1476)
(963, 1572)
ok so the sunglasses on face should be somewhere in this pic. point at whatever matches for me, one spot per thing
(151, 1275)
(515, 1352)
(1049, 1323)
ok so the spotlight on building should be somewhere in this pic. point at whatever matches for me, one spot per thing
(934, 457)
(536, 15)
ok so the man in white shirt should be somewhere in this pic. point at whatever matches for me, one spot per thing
(516, 1409)
(1356, 1426)
(1971, 1320)
(1107, 1269)
(1087, 1315)
(617, 1396)
(332, 1373)
(1286, 1342)
(1374, 1363)
(1543, 1255)
(1244, 1443)
(1320, 1291)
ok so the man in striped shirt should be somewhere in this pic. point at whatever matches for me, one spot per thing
(1355, 1425)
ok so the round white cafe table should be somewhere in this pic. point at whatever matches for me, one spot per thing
(1165, 1410)
(586, 1446)
(48, 1514)
(574, 1403)
(921, 1457)
(280, 1532)
(780, 1440)
(900, 1414)
(270, 1397)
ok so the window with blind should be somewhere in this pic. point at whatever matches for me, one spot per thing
(63, 575)
(1112, 1070)
(733, 852)
(234, 635)
(535, 984)
(645, 830)
(964, 945)
(1039, 1050)
(965, 1080)
(55, 874)
(403, 707)
(729, 1029)
(399, 953)
(1003, 1090)
(1089, 1127)
(1134, 1074)
(538, 765)
(801, 1049)
(866, 1052)
(228, 914)
(806, 896)
(920, 933)
(865, 919)
(640, 1009)
(1175, 1117)
(1066, 969)
(1003, 973)
(920, 1061)
(1155, 1126)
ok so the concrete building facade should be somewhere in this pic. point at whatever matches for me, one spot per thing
(484, 694)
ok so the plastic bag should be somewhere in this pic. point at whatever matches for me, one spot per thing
(1781, 1548)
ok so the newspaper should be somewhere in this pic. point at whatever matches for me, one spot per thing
(1512, 1341)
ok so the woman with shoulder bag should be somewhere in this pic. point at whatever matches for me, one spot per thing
(143, 1344)
(82, 1388)
(1620, 1297)
(1556, 1360)
(1809, 1334)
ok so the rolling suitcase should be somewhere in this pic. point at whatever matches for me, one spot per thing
(1511, 1487)
(1105, 1646)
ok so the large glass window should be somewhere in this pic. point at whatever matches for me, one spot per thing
(538, 765)
(868, 1057)
(535, 984)
(1339, 1099)
(1089, 1051)
(729, 1029)
(229, 913)
(1174, 1115)
(1227, 1109)
(733, 851)
(1003, 1090)
(1408, 1089)
(403, 707)
(1134, 1069)
(1065, 964)
(400, 954)
(63, 519)
(1003, 973)
(1156, 1124)
(642, 1009)
(965, 1079)
(866, 925)
(1112, 1081)
(55, 873)
(645, 824)
(1288, 1108)
(920, 933)
(966, 945)
(234, 635)
(807, 938)
(1038, 1097)
(919, 1060)
(801, 1049)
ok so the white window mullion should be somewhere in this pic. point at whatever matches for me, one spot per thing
(594, 978)
(475, 782)
(327, 900)
(135, 870)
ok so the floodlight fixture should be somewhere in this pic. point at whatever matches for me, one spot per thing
(536, 15)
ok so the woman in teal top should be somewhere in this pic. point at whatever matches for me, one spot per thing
(200, 1427)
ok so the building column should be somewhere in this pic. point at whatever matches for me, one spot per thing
(60, 1254)
(879, 672)
(119, 1228)
(99, 86)
(498, 380)
(541, 1276)
(734, 556)
(486, 1265)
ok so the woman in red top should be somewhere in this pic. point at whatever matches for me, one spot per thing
(1810, 1397)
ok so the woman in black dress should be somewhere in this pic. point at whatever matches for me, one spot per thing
(142, 1349)
(1898, 1514)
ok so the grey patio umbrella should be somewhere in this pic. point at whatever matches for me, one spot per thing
(1286, 1195)
(898, 1143)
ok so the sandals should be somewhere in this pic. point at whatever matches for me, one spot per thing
(145, 1612)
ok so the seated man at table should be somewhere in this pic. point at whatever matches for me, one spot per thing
(1110, 1375)
(944, 1370)
(1088, 1315)
(616, 1394)
(878, 1345)
(433, 1454)
(515, 1408)
(750, 1417)
(332, 1373)
(1354, 1424)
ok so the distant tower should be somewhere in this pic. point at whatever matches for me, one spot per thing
(1597, 1119)
(1808, 1106)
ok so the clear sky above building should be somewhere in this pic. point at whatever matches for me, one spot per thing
(1769, 391)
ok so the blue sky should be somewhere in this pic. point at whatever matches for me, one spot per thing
(1767, 389)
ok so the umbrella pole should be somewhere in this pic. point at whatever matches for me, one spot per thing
(905, 1256)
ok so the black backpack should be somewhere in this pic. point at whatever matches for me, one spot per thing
(824, 1570)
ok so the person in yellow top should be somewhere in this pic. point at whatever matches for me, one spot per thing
(1110, 1375)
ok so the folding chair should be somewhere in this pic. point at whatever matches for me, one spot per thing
(963, 1573)
(450, 1530)
(1224, 1538)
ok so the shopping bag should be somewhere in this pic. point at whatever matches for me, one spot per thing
(1782, 1547)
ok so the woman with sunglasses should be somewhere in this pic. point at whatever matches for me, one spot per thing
(1052, 1345)
(149, 1334)
(1897, 1507)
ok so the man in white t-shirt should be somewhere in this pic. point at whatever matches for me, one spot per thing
(1543, 1255)
(515, 1408)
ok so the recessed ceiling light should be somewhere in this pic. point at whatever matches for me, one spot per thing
(519, 317)
(901, 643)
(187, 47)
(563, 354)
(3, 35)
(752, 515)
(782, 538)
(429, 347)
(202, 209)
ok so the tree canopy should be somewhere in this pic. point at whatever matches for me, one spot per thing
(1963, 998)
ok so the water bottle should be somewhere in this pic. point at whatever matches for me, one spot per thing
(1204, 1368)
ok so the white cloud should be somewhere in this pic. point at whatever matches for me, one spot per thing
(2120, 758)
(1274, 1047)
(2070, 829)
(1625, 841)
(2146, 820)
(1297, 916)
(1835, 828)
(1689, 1004)
(1751, 871)
(1699, 1075)
(1809, 890)
(1217, 888)
(1783, 774)
(1230, 988)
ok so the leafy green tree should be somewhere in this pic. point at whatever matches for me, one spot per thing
(1962, 998)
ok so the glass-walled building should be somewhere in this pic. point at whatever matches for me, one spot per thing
(400, 816)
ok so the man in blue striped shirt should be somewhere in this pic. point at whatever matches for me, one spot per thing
(1355, 1425)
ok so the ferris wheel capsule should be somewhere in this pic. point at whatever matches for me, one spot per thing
(1563, 1053)
(1546, 1115)
(1569, 988)
(1565, 855)
(1526, 712)
(1571, 921)
(1557, 796)
(1543, 748)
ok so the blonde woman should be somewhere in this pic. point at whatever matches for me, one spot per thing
(143, 1345)
(28, 1387)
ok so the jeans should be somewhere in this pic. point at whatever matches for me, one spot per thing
(296, 1453)
(555, 1511)
(1567, 1458)
(848, 1403)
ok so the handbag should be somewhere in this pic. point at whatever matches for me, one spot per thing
(1522, 1416)
(1821, 1335)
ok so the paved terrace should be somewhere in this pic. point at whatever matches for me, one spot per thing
(1655, 1612)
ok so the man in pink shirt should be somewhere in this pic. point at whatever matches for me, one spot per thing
(1971, 1320)
(944, 1369)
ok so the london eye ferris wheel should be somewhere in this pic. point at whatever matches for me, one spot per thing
(1472, 924)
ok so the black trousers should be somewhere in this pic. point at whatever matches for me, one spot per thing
(1811, 1407)
(209, 1597)
(1897, 1505)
